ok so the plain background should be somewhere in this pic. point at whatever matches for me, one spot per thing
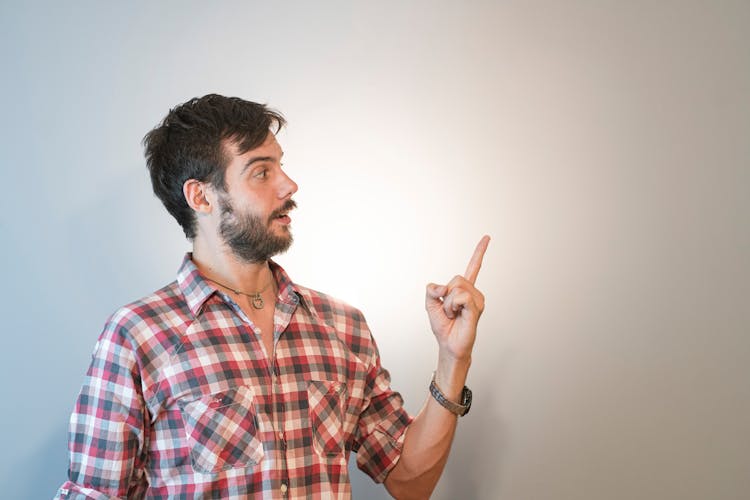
(604, 146)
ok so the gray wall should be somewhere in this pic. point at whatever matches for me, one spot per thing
(604, 146)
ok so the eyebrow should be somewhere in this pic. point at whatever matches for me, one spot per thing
(257, 159)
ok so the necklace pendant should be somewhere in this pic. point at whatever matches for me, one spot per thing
(257, 301)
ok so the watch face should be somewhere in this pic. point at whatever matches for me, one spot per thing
(459, 409)
(466, 399)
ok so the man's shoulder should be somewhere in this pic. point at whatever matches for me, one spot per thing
(164, 305)
(345, 320)
(142, 334)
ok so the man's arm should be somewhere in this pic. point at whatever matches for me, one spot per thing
(454, 310)
(107, 427)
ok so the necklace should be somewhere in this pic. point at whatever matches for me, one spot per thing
(255, 298)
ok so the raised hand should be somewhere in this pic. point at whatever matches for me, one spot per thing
(454, 309)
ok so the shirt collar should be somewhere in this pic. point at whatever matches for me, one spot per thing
(198, 290)
(288, 291)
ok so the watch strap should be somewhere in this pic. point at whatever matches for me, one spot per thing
(459, 409)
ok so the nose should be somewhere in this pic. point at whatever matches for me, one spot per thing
(287, 187)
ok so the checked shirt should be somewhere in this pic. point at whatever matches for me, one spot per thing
(181, 401)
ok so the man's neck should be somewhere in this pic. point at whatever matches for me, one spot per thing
(225, 268)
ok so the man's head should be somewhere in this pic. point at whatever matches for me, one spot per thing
(198, 140)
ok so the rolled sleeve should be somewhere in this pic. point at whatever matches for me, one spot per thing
(382, 427)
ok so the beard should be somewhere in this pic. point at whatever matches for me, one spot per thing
(249, 236)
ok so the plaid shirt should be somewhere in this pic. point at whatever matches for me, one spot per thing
(180, 400)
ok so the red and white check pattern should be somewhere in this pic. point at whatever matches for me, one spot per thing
(181, 402)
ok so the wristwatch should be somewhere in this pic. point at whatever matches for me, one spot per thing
(459, 409)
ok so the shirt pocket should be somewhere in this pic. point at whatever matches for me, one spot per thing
(325, 400)
(222, 431)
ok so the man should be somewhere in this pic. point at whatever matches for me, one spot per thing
(233, 381)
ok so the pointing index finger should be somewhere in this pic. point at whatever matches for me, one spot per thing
(472, 270)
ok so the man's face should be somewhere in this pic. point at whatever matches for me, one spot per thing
(254, 221)
(250, 236)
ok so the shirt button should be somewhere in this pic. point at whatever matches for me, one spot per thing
(283, 488)
(281, 436)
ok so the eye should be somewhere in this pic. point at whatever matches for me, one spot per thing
(261, 173)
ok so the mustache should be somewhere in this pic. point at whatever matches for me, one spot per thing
(287, 206)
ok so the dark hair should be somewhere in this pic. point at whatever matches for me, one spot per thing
(189, 144)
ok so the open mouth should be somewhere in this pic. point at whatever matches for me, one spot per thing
(282, 215)
(283, 218)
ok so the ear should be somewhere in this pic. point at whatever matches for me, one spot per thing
(197, 195)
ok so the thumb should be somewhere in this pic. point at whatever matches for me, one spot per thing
(434, 294)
